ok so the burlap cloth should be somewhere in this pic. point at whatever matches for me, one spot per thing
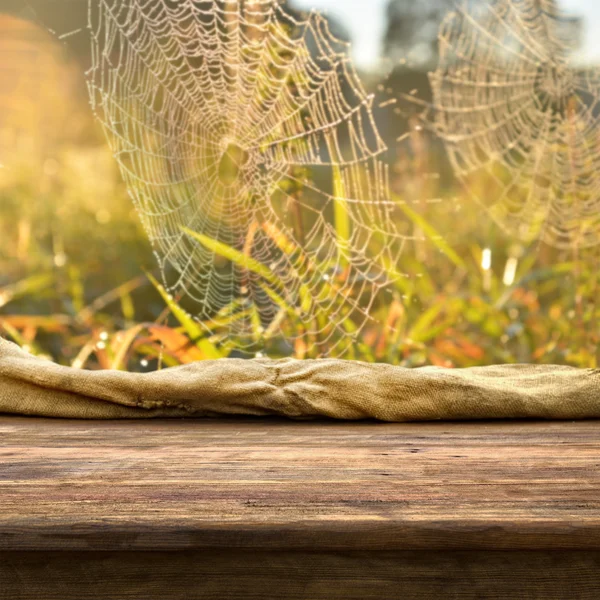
(297, 389)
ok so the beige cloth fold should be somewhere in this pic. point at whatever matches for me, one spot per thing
(297, 389)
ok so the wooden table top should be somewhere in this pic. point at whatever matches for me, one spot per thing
(265, 483)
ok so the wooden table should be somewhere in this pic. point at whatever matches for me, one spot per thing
(265, 509)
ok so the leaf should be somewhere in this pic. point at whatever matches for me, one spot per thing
(150, 350)
(341, 215)
(278, 300)
(83, 355)
(125, 341)
(191, 327)
(249, 263)
(101, 302)
(305, 266)
(29, 286)
(423, 330)
(432, 234)
(127, 307)
(235, 256)
(51, 323)
(177, 343)
(226, 316)
(420, 328)
(15, 334)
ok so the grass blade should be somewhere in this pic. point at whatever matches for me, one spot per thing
(433, 235)
(194, 330)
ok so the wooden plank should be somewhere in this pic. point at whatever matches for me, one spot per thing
(271, 484)
(259, 575)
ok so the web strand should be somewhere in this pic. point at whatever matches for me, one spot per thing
(249, 127)
(520, 118)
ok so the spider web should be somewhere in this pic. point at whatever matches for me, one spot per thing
(520, 118)
(250, 128)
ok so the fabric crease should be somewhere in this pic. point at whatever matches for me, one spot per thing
(309, 389)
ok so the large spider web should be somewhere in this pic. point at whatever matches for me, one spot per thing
(251, 128)
(520, 118)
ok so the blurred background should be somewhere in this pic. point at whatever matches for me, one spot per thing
(77, 273)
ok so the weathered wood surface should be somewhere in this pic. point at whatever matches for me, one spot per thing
(270, 484)
(258, 575)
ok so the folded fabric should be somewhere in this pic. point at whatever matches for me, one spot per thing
(298, 389)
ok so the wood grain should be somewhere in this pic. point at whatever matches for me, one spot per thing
(259, 575)
(278, 485)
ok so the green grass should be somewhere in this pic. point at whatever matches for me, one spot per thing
(79, 284)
